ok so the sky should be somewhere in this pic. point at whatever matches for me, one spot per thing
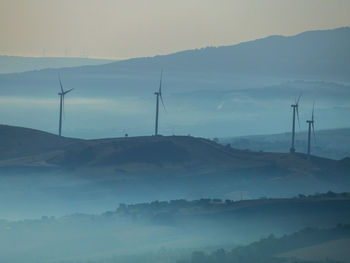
(120, 29)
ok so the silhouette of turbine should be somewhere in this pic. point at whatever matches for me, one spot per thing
(311, 124)
(295, 107)
(158, 95)
(61, 94)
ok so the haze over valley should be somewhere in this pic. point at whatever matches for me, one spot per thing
(174, 131)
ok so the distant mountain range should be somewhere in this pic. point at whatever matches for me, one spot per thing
(17, 64)
(321, 55)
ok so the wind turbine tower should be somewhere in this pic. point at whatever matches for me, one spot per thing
(295, 107)
(311, 124)
(61, 94)
(158, 96)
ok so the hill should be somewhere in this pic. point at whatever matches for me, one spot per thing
(21, 142)
(332, 143)
(181, 154)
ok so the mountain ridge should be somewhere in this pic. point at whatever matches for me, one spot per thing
(324, 48)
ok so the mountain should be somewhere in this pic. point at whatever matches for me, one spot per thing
(321, 55)
(16, 64)
(332, 143)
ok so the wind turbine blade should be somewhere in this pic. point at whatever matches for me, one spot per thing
(68, 91)
(313, 109)
(313, 131)
(59, 78)
(297, 108)
(160, 82)
(63, 106)
(299, 98)
(161, 99)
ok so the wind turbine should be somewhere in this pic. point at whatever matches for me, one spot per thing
(311, 125)
(295, 107)
(159, 95)
(61, 94)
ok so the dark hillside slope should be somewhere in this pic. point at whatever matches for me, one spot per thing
(152, 155)
(18, 142)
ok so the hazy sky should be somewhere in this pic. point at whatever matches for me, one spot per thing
(133, 28)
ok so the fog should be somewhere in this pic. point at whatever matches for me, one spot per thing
(160, 231)
(90, 112)
(35, 194)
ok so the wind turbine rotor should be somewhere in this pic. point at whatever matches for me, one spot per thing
(63, 106)
(64, 93)
(297, 101)
(313, 121)
(297, 109)
(59, 78)
(160, 82)
(161, 99)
